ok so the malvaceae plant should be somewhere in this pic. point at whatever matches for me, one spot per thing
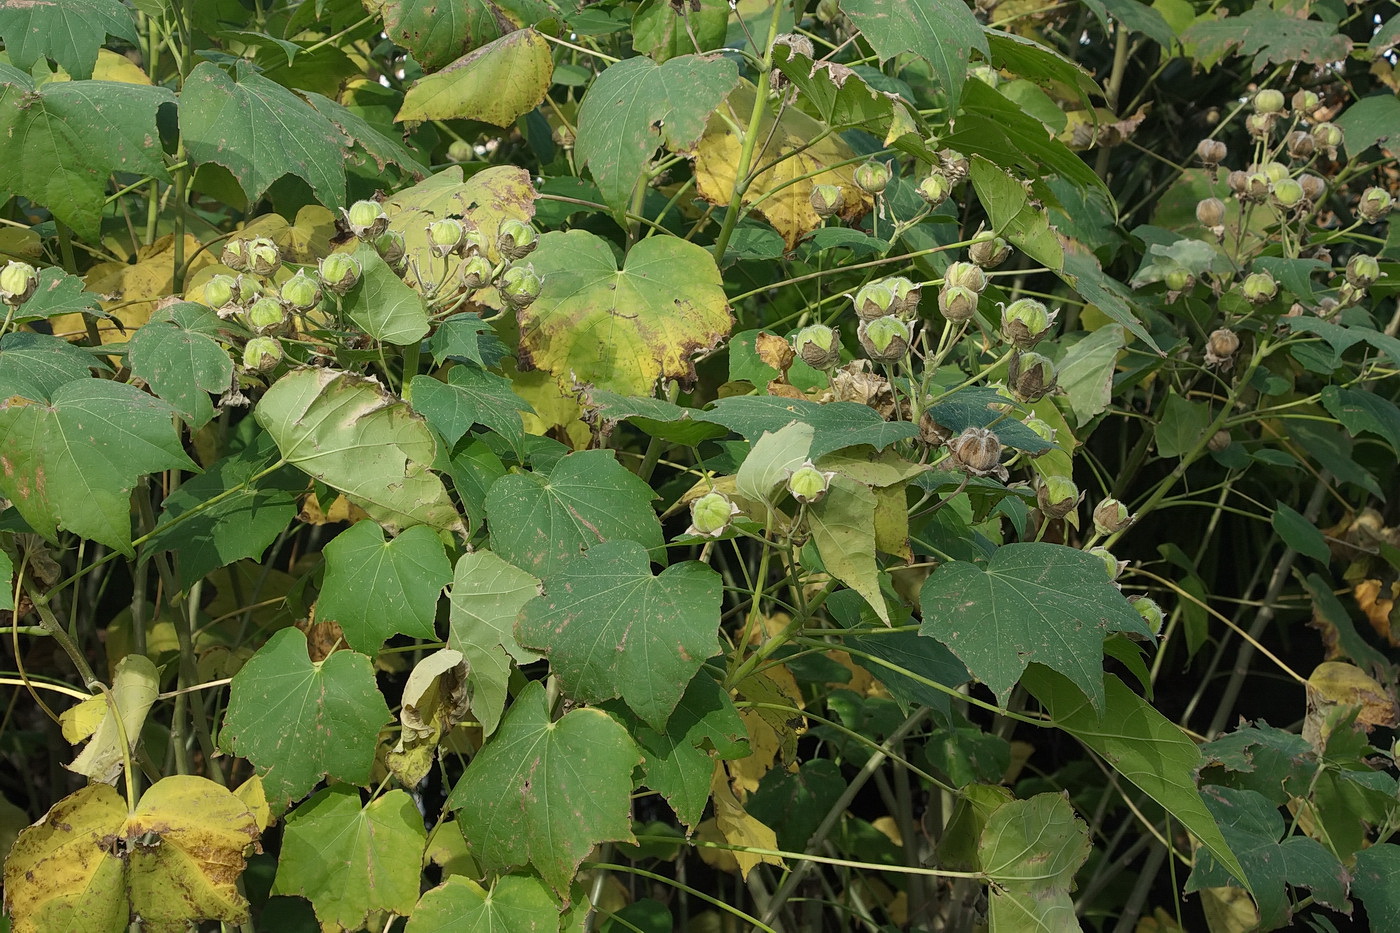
(665, 465)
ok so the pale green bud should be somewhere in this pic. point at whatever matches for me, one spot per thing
(957, 303)
(1259, 288)
(1269, 100)
(827, 199)
(476, 271)
(301, 292)
(935, 188)
(1025, 321)
(818, 345)
(906, 296)
(366, 219)
(1327, 135)
(516, 239)
(966, 275)
(1288, 192)
(520, 285)
(340, 272)
(18, 281)
(711, 514)
(460, 151)
(1363, 271)
(988, 250)
(1111, 516)
(263, 256)
(267, 315)
(390, 246)
(262, 353)
(885, 339)
(1375, 203)
(1057, 496)
(220, 291)
(808, 484)
(1111, 564)
(1149, 610)
(872, 177)
(874, 300)
(444, 236)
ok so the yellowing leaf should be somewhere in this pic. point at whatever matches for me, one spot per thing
(738, 828)
(772, 733)
(622, 329)
(255, 798)
(436, 698)
(495, 83)
(133, 691)
(90, 866)
(130, 291)
(303, 241)
(1337, 685)
(782, 194)
(112, 66)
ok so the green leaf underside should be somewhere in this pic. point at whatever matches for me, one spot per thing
(622, 329)
(545, 793)
(610, 629)
(347, 432)
(540, 523)
(382, 305)
(72, 463)
(1031, 849)
(1140, 744)
(298, 721)
(352, 861)
(376, 588)
(260, 131)
(843, 529)
(486, 597)
(1033, 602)
(636, 106)
(60, 143)
(513, 904)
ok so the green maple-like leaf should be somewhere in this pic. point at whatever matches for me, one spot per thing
(1373, 880)
(544, 793)
(514, 904)
(298, 721)
(358, 132)
(260, 131)
(57, 293)
(350, 860)
(1269, 35)
(636, 105)
(68, 31)
(539, 523)
(72, 463)
(622, 329)
(837, 95)
(466, 338)
(240, 525)
(60, 143)
(680, 759)
(611, 629)
(486, 597)
(1033, 602)
(470, 396)
(376, 588)
(176, 356)
(1031, 849)
(834, 425)
(1272, 859)
(381, 305)
(1142, 745)
(34, 366)
(437, 31)
(943, 33)
(347, 432)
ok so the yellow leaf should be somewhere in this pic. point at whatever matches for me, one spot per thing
(254, 797)
(1229, 910)
(1336, 685)
(447, 849)
(554, 406)
(112, 66)
(738, 828)
(130, 292)
(772, 733)
(782, 194)
(79, 722)
(303, 241)
(341, 510)
(134, 689)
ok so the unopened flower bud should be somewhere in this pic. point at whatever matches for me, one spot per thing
(1149, 610)
(884, 339)
(520, 285)
(476, 272)
(957, 303)
(390, 246)
(1289, 193)
(1211, 152)
(444, 236)
(1363, 271)
(1269, 100)
(872, 177)
(263, 256)
(1111, 565)
(267, 316)
(1219, 441)
(711, 514)
(1304, 102)
(1179, 280)
(219, 291)
(1210, 212)
(1057, 496)
(988, 251)
(827, 199)
(1301, 145)
(1221, 346)
(473, 242)
(1259, 288)
(18, 281)
(1375, 203)
(1030, 376)
(978, 451)
(1025, 321)
(516, 239)
(339, 272)
(1274, 171)
(262, 353)
(460, 151)
(1327, 137)
(875, 299)
(818, 345)
(808, 484)
(1238, 182)
(1111, 517)
(966, 275)
(1042, 429)
(366, 219)
(935, 189)
(301, 292)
